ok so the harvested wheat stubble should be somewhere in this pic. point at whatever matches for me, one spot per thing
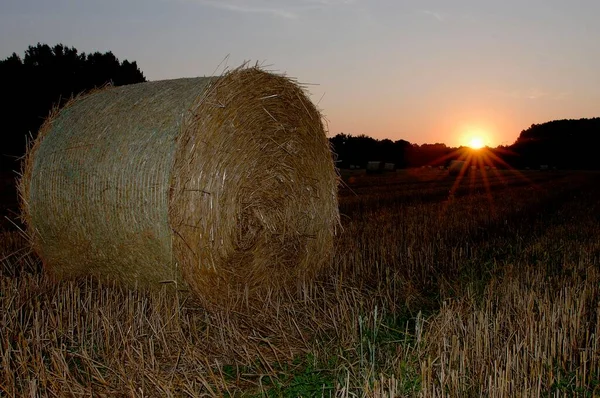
(215, 183)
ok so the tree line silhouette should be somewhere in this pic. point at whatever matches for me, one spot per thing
(47, 77)
(563, 144)
(357, 151)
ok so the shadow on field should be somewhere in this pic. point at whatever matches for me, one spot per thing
(9, 204)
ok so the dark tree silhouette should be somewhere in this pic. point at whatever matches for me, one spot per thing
(358, 150)
(47, 77)
(567, 144)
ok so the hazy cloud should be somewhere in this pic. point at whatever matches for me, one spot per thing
(440, 17)
(256, 7)
(328, 2)
(533, 94)
(284, 9)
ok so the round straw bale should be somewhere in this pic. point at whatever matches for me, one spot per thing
(214, 183)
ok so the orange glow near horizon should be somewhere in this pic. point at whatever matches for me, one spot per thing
(474, 137)
(476, 143)
(463, 129)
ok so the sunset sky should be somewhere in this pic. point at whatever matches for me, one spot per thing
(423, 71)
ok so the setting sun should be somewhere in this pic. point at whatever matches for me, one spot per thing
(476, 143)
(476, 134)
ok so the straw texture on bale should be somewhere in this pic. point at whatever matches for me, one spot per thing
(214, 183)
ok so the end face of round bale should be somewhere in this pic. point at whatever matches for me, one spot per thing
(254, 200)
(220, 184)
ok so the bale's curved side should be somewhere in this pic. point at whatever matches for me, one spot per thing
(211, 181)
(98, 181)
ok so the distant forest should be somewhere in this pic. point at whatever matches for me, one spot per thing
(47, 77)
(563, 144)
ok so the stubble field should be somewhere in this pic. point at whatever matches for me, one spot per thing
(482, 285)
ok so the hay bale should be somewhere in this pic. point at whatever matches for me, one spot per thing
(215, 183)
(457, 167)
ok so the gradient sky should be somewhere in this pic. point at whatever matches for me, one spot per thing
(423, 71)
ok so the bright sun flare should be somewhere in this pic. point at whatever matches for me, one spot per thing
(476, 143)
